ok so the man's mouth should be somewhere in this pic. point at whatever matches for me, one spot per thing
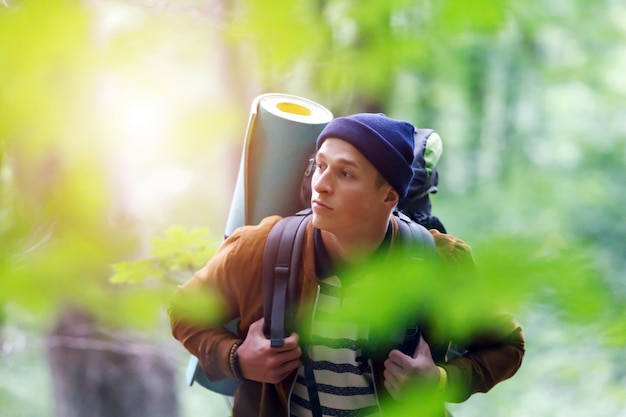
(319, 204)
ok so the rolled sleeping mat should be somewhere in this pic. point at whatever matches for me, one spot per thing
(280, 139)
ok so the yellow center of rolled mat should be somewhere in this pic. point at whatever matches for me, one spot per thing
(293, 108)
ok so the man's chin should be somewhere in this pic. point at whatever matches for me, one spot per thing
(318, 221)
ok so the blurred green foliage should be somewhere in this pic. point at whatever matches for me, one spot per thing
(46, 154)
(179, 250)
(526, 95)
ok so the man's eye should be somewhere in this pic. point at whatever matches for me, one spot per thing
(346, 174)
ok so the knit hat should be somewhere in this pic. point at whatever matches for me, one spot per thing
(387, 143)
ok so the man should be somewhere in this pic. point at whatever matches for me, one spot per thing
(362, 170)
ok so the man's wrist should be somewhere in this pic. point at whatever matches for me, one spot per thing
(233, 361)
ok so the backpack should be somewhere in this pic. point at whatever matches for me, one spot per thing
(281, 262)
(284, 245)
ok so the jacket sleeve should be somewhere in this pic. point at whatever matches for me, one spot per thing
(491, 356)
(228, 287)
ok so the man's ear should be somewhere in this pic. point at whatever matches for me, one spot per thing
(392, 197)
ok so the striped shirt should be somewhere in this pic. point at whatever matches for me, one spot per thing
(344, 379)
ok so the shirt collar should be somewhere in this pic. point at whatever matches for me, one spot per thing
(324, 266)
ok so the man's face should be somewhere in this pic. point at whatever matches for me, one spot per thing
(346, 189)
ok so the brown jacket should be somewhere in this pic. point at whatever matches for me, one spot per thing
(235, 272)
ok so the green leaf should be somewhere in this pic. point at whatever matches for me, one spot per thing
(177, 239)
(136, 271)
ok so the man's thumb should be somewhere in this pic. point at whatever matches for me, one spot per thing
(422, 348)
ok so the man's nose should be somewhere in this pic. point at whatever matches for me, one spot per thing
(321, 182)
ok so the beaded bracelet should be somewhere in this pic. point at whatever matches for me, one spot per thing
(443, 378)
(233, 360)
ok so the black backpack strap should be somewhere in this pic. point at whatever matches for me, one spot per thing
(421, 245)
(311, 384)
(281, 263)
(416, 237)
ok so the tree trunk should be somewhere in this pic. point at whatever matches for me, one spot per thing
(99, 374)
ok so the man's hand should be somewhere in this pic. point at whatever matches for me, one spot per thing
(259, 361)
(402, 370)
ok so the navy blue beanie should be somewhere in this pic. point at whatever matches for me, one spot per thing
(387, 143)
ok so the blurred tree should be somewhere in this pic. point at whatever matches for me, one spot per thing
(100, 372)
(63, 223)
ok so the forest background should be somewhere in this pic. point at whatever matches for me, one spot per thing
(121, 124)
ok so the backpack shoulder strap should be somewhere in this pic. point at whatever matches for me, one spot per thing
(416, 236)
(421, 246)
(281, 264)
